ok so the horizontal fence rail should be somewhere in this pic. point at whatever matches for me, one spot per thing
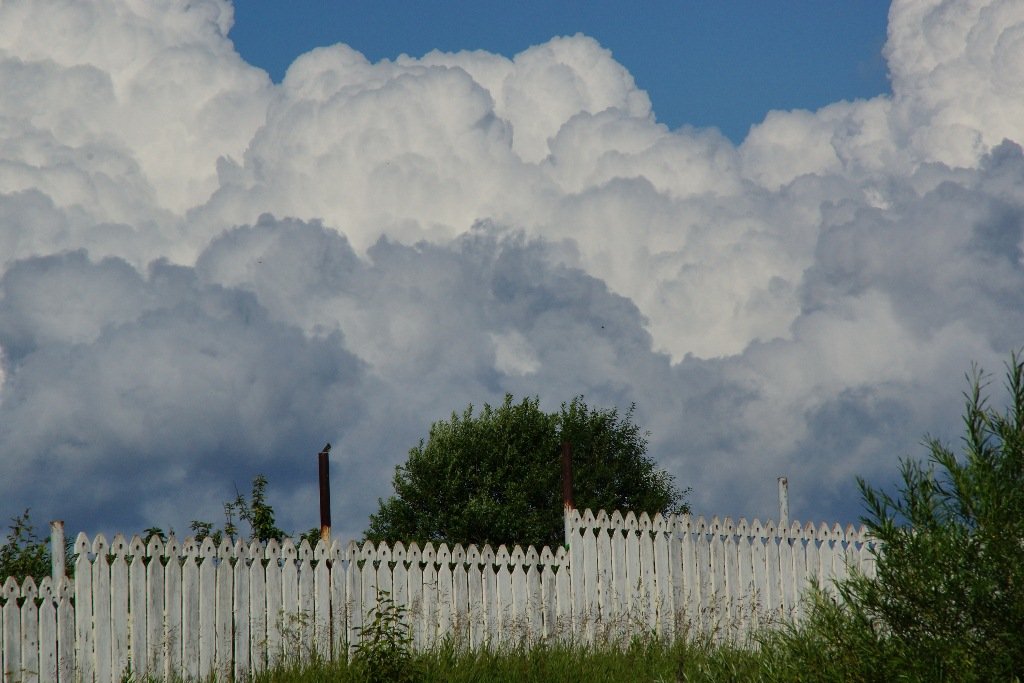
(193, 609)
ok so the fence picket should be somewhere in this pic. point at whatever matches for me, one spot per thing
(29, 633)
(47, 631)
(258, 607)
(137, 606)
(190, 607)
(240, 610)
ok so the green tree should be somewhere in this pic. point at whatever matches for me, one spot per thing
(495, 477)
(25, 554)
(947, 601)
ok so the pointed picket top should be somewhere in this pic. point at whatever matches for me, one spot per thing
(602, 519)
(501, 557)
(644, 521)
(715, 527)
(684, 524)
(824, 534)
(207, 549)
(46, 588)
(561, 557)
(383, 553)
(518, 556)
(546, 556)
(65, 589)
(273, 551)
(137, 548)
(531, 555)
(742, 528)
(82, 545)
(322, 551)
(428, 555)
(702, 526)
(288, 550)
(837, 532)
(458, 554)
(119, 546)
(368, 551)
(629, 521)
(413, 554)
(352, 551)
(770, 530)
(10, 590)
(256, 549)
(807, 532)
(305, 551)
(398, 552)
(172, 548)
(444, 556)
(617, 522)
(155, 547)
(756, 529)
(189, 548)
(575, 517)
(487, 555)
(473, 556)
(851, 534)
(588, 518)
(795, 528)
(99, 545)
(28, 588)
(240, 550)
(224, 549)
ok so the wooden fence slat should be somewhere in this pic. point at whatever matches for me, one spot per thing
(66, 664)
(258, 606)
(190, 621)
(172, 608)
(137, 607)
(275, 603)
(83, 611)
(223, 613)
(119, 616)
(240, 609)
(414, 579)
(47, 631)
(304, 611)
(339, 599)
(322, 600)
(445, 586)
(29, 632)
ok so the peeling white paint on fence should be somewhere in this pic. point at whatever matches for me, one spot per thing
(189, 609)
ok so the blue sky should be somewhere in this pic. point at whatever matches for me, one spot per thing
(722, 64)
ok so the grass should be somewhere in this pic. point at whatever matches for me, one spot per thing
(647, 660)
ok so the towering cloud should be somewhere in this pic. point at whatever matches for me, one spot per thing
(204, 275)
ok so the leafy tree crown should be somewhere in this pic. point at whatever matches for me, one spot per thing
(495, 476)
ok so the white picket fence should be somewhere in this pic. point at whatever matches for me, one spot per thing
(190, 609)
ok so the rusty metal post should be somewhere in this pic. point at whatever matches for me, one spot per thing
(567, 489)
(57, 552)
(783, 503)
(325, 495)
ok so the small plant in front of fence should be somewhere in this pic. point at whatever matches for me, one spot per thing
(384, 650)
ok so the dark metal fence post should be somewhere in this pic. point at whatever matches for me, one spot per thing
(325, 495)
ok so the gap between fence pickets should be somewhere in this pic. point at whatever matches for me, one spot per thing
(619, 573)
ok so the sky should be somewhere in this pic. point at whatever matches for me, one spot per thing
(229, 235)
(703, 64)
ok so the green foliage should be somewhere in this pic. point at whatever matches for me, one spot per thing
(256, 511)
(947, 602)
(495, 477)
(384, 651)
(24, 553)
